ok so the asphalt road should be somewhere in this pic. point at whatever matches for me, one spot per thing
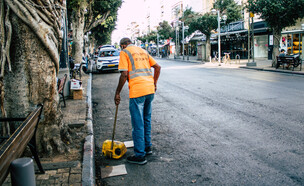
(210, 126)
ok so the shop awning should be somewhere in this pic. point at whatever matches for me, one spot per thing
(293, 32)
(235, 32)
(198, 38)
(258, 30)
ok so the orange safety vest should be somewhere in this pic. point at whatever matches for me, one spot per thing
(140, 76)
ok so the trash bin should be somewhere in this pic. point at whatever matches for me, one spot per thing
(22, 172)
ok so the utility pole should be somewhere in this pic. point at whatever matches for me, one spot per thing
(251, 40)
(175, 53)
(157, 45)
(183, 40)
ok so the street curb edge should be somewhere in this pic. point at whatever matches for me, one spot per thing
(88, 163)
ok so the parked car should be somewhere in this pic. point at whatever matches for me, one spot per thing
(108, 59)
(106, 46)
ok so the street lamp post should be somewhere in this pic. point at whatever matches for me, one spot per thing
(184, 28)
(157, 45)
(219, 31)
(183, 24)
(251, 39)
(176, 44)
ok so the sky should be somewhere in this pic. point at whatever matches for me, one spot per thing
(131, 10)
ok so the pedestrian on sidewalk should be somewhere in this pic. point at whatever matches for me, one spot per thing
(282, 54)
(135, 66)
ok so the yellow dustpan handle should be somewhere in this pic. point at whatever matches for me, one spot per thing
(113, 134)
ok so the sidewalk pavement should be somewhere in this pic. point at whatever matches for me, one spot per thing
(261, 64)
(78, 115)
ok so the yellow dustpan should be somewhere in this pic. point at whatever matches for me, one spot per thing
(114, 149)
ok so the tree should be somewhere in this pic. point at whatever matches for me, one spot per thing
(205, 24)
(33, 63)
(143, 38)
(188, 17)
(164, 30)
(208, 22)
(278, 15)
(230, 8)
(102, 33)
(152, 36)
(86, 15)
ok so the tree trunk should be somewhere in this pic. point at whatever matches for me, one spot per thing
(78, 28)
(33, 81)
(276, 45)
(208, 48)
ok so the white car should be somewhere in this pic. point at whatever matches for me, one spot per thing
(108, 59)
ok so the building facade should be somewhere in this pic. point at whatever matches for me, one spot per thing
(234, 37)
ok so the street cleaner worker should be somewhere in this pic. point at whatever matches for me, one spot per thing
(135, 66)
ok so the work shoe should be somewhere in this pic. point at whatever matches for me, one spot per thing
(148, 150)
(137, 160)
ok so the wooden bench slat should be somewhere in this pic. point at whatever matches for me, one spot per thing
(17, 142)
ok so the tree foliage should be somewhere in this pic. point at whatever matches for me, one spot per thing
(188, 16)
(152, 36)
(278, 14)
(164, 30)
(101, 8)
(230, 8)
(204, 24)
(86, 15)
(102, 32)
(98, 12)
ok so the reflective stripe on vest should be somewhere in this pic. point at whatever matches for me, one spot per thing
(137, 72)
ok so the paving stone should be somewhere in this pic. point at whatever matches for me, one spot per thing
(57, 175)
(65, 175)
(38, 182)
(75, 184)
(60, 165)
(64, 180)
(42, 177)
(48, 182)
(75, 178)
(63, 170)
(75, 170)
(51, 173)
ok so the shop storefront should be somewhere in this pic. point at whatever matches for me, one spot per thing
(234, 40)
(291, 42)
(261, 46)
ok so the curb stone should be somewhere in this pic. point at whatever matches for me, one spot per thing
(274, 70)
(88, 164)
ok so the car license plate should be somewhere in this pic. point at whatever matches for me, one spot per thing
(111, 65)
